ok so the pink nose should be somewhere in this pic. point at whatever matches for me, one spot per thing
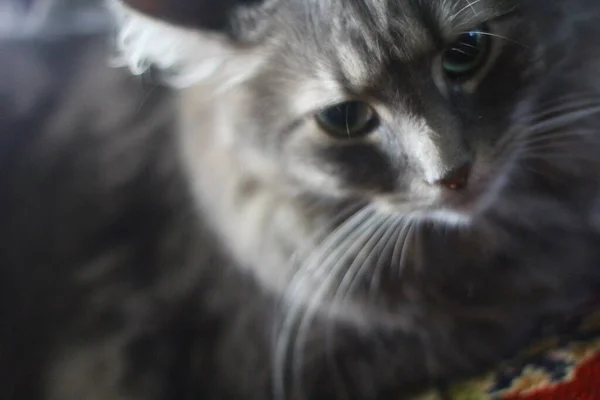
(457, 178)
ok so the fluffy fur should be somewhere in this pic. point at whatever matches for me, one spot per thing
(143, 42)
(183, 55)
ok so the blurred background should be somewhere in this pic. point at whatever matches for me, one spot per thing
(27, 18)
(59, 75)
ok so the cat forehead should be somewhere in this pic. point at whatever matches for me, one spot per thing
(363, 35)
(391, 15)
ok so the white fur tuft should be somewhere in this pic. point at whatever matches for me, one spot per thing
(186, 56)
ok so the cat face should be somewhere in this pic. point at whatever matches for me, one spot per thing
(397, 103)
(295, 109)
(395, 107)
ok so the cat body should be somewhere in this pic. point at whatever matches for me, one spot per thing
(214, 243)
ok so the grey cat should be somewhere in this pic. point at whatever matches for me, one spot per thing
(342, 199)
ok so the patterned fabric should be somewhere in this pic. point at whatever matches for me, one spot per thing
(565, 366)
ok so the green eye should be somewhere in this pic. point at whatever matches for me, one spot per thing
(348, 120)
(466, 55)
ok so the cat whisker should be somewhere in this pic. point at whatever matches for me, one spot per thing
(340, 237)
(347, 124)
(362, 258)
(336, 238)
(549, 107)
(329, 344)
(333, 244)
(381, 240)
(333, 365)
(352, 243)
(544, 154)
(564, 119)
(568, 99)
(554, 136)
(383, 259)
(340, 222)
(556, 140)
(400, 248)
(565, 107)
(470, 6)
(545, 132)
(499, 37)
(569, 113)
(504, 38)
(470, 46)
(147, 95)
(461, 51)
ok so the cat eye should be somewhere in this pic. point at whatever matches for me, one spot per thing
(466, 55)
(351, 119)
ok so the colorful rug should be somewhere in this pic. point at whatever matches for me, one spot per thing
(565, 366)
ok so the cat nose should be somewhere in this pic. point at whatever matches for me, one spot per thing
(457, 178)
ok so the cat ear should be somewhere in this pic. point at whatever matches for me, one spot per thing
(223, 16)
(191, 40)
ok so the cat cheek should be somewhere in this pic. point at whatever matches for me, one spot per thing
(313, 175)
